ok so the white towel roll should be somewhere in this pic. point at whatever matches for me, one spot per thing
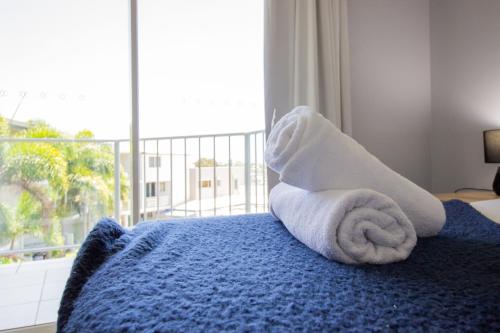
(309, 152)
(349, 226)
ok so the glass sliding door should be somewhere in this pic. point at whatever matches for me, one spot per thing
(202, 101)
(79, 80)
(64, 146)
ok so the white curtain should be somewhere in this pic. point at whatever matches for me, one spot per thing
(306, 60)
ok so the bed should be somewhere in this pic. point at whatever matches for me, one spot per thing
(247, 273)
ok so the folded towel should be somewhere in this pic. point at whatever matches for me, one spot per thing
(309, 152)
(350, 226)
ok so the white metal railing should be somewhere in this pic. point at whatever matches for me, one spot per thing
(238, 184)
(253, 182)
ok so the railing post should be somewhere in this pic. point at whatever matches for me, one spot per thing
(247, 173)
(117, 181)
(215, 179)
(185, 178)
(144, 182)
(230, 182)
(158, 165)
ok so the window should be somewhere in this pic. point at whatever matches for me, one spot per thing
(150, 190)
(206, 183)
(201, 66)
(65, 74)
(154, 161)
(201, 98)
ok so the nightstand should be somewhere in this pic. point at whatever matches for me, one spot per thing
(467, 196)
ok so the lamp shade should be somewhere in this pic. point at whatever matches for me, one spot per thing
(492, 146)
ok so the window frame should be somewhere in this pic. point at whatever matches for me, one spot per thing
(135, 192)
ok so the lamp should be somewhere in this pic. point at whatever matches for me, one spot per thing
(492, 153)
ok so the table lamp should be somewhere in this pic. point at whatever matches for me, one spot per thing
(492, 153)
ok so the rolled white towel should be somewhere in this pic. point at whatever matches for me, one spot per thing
(350, 226)
(309, 152)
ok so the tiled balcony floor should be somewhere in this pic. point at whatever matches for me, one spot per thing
(30, 292)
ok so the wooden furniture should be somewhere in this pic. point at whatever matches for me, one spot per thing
(467, 196)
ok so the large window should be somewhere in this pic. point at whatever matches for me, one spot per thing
(200, 67)
(64, 123)
(201, 97)
(65, 120)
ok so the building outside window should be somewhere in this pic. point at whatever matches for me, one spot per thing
(206, 183)
(163, 187)
(150, 190)
(155, 161)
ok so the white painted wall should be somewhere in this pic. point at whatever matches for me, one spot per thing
(390, 83)
(425, 83)
(465, 62)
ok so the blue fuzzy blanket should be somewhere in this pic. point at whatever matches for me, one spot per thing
(247, 273)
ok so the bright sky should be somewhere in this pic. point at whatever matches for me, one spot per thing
(201, 67)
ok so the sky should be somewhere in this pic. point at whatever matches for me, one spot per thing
(67, 62)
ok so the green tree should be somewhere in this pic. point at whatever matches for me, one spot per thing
(4, 132)
(57, 179)
(206, 162)
(91, 175)
(25, 219)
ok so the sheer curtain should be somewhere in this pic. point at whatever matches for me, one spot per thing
(306, 59)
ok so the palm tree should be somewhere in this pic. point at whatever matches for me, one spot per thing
(57, 180)
(24, 219)
(91, 176)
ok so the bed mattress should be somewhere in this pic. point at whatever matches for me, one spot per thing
(247, 273)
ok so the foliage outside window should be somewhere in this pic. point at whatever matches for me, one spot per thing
(57, 180)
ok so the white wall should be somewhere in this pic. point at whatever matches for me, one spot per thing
(425, 83)
(390, 83)
(465, 62)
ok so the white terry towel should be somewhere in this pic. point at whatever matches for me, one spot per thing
(309, 152)
(350, 226)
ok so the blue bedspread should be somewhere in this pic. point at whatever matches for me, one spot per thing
(247, 273)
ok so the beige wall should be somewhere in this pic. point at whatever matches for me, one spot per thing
(465, 62)
(390, 83)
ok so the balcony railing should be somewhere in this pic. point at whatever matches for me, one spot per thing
(220, 174)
